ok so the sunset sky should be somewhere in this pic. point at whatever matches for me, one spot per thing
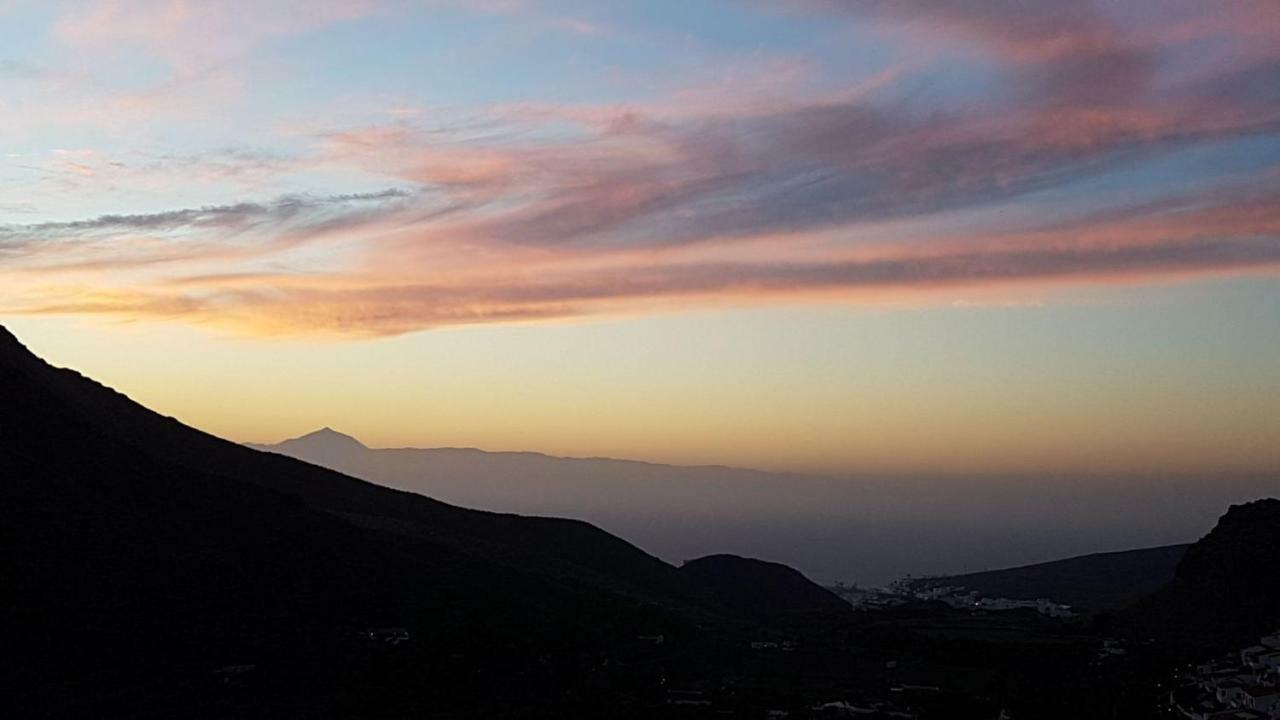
(840, 236)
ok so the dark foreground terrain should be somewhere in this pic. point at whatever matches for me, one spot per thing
(152, 571)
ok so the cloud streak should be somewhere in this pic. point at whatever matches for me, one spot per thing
(1215, 239)
(243, 231)
(535, 211)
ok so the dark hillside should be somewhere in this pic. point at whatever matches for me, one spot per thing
(562, 548)
(754, 588)
(1226, 591)
(1099, 582)
(126, 573)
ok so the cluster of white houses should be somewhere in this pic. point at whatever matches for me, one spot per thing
(1241, 686)
(960, 598)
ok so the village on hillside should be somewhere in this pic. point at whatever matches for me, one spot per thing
(960, 598)
(1244, 685)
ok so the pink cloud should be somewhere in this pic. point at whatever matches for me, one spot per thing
(715, 194)
(191, 35)
(1230, 235)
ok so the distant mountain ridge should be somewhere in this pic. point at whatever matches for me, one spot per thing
(655, 505)
(1096, 582)
(329, 440)
(863, 529)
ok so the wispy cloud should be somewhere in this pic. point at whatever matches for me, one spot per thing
(1229, 237)
(195, 35)
(537, 210)
(220, 216)
(244, 230)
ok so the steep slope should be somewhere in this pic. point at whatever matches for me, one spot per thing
(1102, 581)
(1226, 590)
(755, 588)
(554, 547)
(127, 573)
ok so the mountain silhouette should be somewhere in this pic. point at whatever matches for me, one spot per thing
(1226, 590)
(141, 553)
(761, 589)
(570, 548)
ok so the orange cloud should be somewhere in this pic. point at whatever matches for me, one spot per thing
(1153, 243)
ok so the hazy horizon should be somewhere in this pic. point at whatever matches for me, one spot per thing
(1024, 254)
(1218, 417)
(869, 530)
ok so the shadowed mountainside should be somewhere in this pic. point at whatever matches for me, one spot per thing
(1226, 590)
(563, 547)
(138, 550)
(1098, 582)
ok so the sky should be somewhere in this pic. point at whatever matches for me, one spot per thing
(1009, 238)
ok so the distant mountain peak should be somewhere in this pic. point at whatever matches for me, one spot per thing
(325, 438)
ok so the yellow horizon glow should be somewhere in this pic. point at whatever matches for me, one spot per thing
(958, 391)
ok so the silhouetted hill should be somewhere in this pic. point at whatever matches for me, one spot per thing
(756, 588)
(1226, 590)
(1102, 581)
(140, 554)
(565, 548)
